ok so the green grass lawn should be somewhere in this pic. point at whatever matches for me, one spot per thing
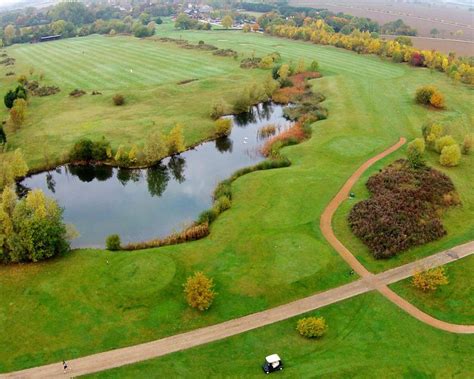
(267, 249)
(146, 72)
(367, 337)
(453, 302)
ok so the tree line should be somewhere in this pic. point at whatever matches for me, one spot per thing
(319, 32)
(70, 19)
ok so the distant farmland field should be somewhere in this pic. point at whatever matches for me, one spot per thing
(461, 48)
(447, 19)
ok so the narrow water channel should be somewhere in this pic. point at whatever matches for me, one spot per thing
(148, 203)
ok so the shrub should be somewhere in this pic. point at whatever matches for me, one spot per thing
(12, 166)
(403, 210)
(82, 150)
(290, 136)
(267, 131)
(175, 140)
(77, 93)
(224, 188)
(300, 67)
(18, 93)
(418, 144)
(118, 99)
(199, 291)
(284, 71)
(36, 229)
(266, 62)
(222, 204)
(467, 144)
(444, 141)
(100, 149)
(423, 94)
(22, 79)
(314, 66)
(86, 150)
(270, 86)
(243, 102)
(18, 113)
(249, 63)
(155, 147)
(208, 216)
(121, 156)
(431, 132)
(437, 100)
(275, 70)
(133, 154)
(450, 156)
(430, 280)
(112, 242)
(311, 327)
(415, 151)
(429, 95)
(218, 109)
(223, 126)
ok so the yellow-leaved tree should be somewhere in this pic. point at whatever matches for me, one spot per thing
(176, 140)
(199, 291)
(430, 280)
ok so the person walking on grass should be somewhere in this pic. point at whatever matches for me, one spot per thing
(65, 366)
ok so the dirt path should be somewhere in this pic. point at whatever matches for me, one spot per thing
(367, 282)
(328, 232)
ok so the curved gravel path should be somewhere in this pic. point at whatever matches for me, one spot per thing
(328, 232)
(367, 282)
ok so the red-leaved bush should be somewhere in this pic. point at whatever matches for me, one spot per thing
(287, 95)
(290, 136)
(403, 210)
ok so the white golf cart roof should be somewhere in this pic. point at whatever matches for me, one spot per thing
(273, 358)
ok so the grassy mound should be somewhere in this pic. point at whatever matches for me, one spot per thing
(404, 208)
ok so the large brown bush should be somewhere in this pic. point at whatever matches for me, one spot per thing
(403, 209)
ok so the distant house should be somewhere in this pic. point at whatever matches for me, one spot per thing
(206, 9)
(50, 38)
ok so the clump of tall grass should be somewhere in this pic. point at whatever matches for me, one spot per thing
(267, 131)
(192, 233)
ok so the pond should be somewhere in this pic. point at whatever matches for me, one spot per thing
(149, 203)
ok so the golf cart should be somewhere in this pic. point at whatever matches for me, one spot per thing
(272, 363)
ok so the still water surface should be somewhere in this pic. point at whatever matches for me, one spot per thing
(148, 203)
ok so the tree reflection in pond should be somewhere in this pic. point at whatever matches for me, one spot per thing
(224, 144)
(177, 164)
(151, 203)
(157, 178)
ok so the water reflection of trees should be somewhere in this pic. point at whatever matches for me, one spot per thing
(157, 178)
(50, 182)
(125, 175)
(86, 173)
(260, 112)
(224, 144)
(176, 165)
(103, 173)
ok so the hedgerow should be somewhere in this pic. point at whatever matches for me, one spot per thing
(404, 208)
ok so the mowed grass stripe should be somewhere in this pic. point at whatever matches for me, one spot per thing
(43, 61)
(150, 57)
(146, 63)
(190, 58)
(83, 77)
(364, 66)
(60, 72)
